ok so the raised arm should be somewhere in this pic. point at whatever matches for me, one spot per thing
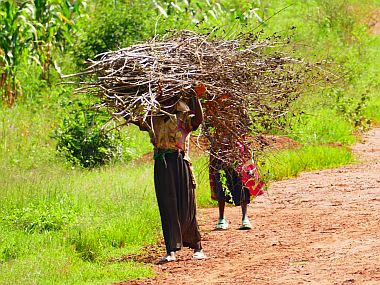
(196, 106)
(198, 113)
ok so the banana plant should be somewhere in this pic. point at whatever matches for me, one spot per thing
(15, 37)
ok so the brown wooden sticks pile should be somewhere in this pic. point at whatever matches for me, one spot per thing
(246, 81)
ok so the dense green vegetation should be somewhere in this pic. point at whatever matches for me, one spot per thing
(64, 224)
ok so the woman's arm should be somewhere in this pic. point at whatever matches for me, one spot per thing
(200, 90)
(198, 113)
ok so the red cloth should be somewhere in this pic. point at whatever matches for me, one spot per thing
(246, 170)
(249, 173)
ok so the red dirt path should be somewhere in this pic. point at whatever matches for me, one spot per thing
(322, 227)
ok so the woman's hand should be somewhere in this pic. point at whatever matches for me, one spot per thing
(200, 90)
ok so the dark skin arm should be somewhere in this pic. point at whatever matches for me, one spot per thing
(198, 113)
(196, 107)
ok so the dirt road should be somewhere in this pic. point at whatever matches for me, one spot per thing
(322, 227)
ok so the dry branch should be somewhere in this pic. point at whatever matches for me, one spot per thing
(245, 83)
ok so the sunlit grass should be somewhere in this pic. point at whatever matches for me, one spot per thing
(373, 112)
(289, 163)
(112, 212)
(322, 126)
(59, 265)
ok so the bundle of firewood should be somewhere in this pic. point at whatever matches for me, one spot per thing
(245, 79)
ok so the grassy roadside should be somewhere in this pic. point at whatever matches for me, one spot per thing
(63, 225)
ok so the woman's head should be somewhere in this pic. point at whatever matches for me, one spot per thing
(173, 105)
(181, 106)
(168, 104)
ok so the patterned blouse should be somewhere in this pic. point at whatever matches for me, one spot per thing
(171, 133)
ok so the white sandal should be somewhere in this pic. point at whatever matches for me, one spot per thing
(168, 258)
(199, 254)
(222, 224)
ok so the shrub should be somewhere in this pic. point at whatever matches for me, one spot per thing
(87, 145)
(82, 140)
(112, 27)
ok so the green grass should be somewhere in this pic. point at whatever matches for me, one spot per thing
(290, 163)
(58, 265)
(76, 221)
(373, 111)
(62, 225)
(203, 187)
(323, 126)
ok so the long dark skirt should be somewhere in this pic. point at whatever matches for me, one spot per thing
(232, 189)
(175, 194)
(236, 193)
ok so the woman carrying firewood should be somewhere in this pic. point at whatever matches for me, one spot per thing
(233, 182)
(173, 176)
(233, 174)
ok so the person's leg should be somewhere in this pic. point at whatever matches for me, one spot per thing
(222, 222)
(221, 205)
(187, 209)
(220, 196)
(245, 223)
(165, 187)
(244, 210)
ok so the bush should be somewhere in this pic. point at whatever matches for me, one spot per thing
(83, 142)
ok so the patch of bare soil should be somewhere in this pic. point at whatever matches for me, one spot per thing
(322, 227)
(374, 22)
